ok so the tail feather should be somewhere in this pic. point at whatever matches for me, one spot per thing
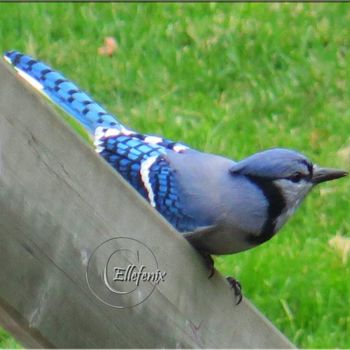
(63, 92)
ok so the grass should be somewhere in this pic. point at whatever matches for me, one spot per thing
(7, 342)
(230, 79)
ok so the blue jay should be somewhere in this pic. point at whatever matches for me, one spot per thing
(221, 206)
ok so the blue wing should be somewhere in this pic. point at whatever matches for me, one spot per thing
(126, 154)
(167, 195)
(145, 167)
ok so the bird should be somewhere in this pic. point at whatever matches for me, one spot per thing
(221, 206)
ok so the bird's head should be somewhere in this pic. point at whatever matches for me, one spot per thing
(285, 177)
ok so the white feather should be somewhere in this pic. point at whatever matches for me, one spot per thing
(145, 167)
(179, 148)
(112, 132)
(153, 139)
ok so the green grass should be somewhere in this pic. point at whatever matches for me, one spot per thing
(230, 79)
(7, 341)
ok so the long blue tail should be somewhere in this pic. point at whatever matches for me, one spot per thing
(62, 92)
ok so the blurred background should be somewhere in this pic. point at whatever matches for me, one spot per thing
(230, 79)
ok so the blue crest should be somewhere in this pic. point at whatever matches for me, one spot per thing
(274, 163)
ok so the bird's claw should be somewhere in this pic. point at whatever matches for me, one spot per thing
(237, 288)
(209, 262)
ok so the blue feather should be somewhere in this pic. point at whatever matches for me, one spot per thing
(64, 93)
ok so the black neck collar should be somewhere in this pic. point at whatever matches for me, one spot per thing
(276, 206)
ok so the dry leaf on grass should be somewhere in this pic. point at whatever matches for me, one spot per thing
(109, 48)
(342, 245)
(315, 137)
(344, 153)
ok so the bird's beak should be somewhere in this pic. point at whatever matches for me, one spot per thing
(326, 174)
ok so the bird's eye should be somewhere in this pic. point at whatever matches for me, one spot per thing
(296, 177)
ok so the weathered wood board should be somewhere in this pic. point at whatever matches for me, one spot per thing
(58, 202)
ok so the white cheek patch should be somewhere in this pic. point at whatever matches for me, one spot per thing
(293, 193)
(145, 168)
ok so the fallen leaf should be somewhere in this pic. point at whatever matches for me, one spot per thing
(342, 245)
(344, 154)
(109, 48)
(315, 137)
(325, 191)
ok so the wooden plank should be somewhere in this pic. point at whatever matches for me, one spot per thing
(58, 202)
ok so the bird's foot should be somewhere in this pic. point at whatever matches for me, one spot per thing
(237, 288)
(209, 262)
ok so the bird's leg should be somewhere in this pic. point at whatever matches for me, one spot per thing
(209, 262)
(234, 284)
(237, 288)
